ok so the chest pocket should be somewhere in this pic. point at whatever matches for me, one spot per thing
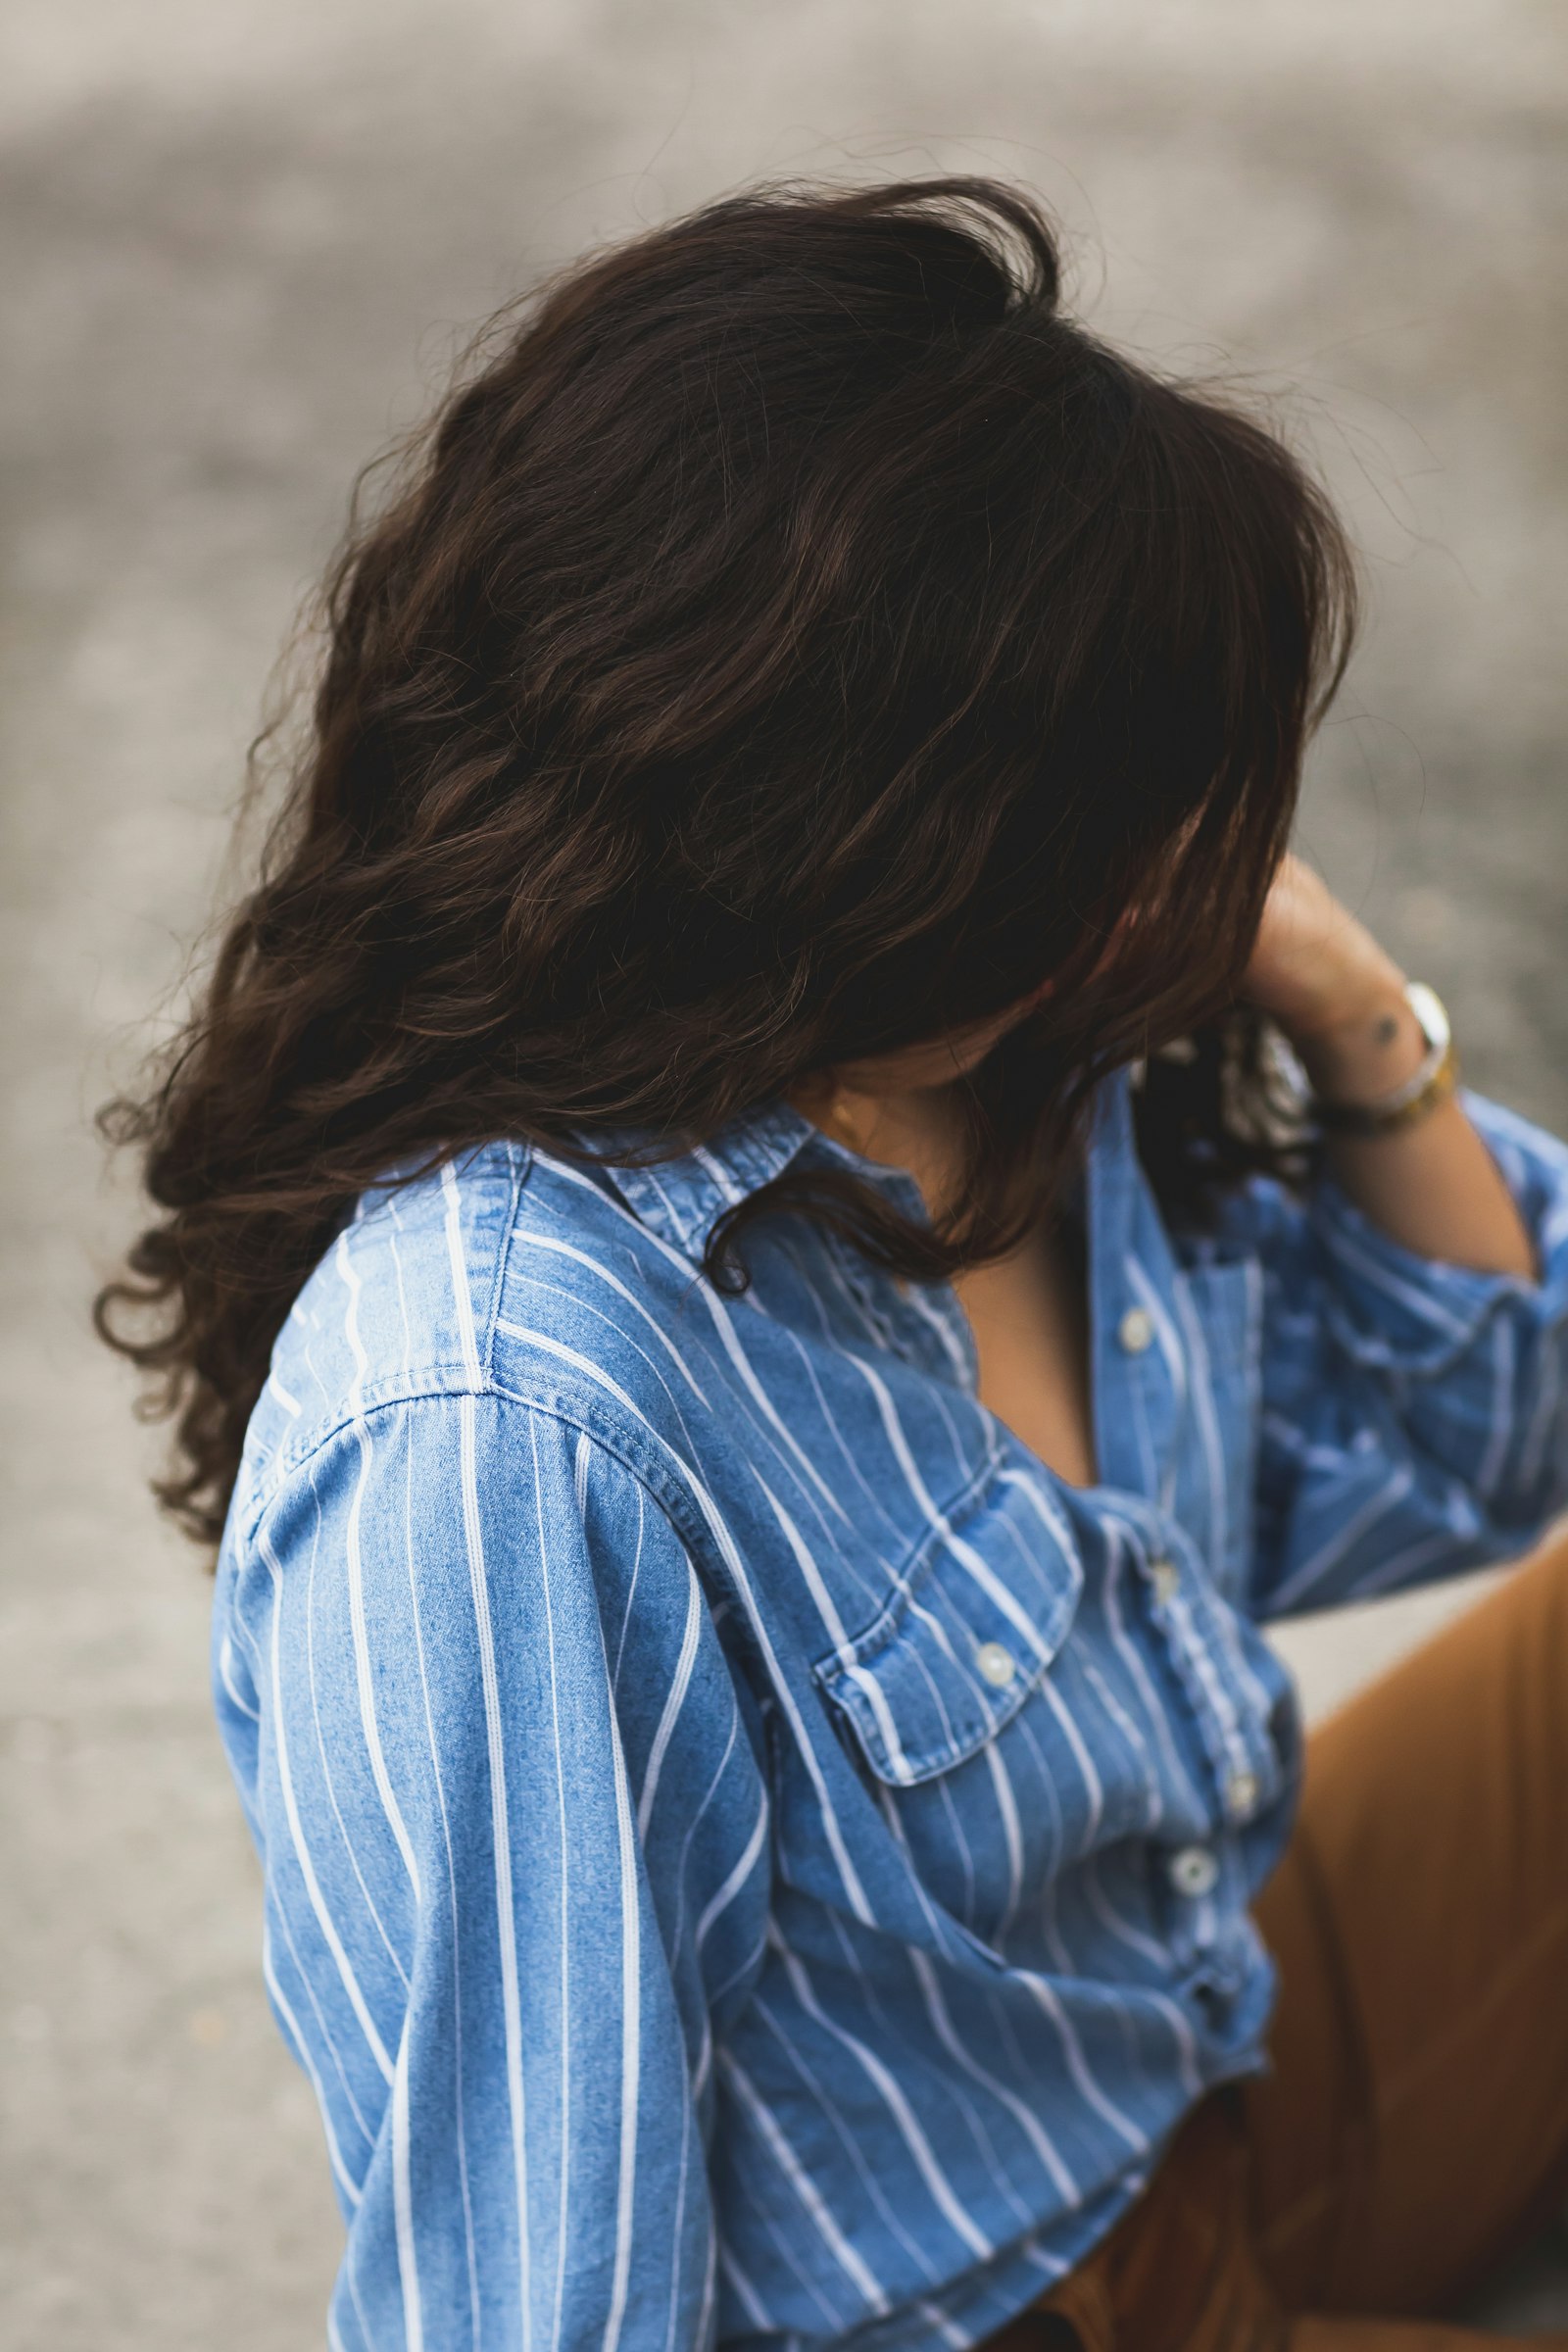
(982, 1607)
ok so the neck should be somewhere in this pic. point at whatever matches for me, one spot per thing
(917, 1131)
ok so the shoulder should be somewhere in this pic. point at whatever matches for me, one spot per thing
(394, 1309)
(505, 1276)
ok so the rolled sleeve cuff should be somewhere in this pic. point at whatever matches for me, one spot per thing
(1393, 1309)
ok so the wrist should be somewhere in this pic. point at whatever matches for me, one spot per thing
(1362, 1045)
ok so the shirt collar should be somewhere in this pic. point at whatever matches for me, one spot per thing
(681, 1198)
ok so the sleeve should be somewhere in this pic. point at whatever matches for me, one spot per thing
(514, 1838)
(1414, 1414)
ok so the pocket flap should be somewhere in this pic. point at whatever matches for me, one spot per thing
(982, 1606)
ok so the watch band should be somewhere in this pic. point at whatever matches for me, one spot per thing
(1430, 1083)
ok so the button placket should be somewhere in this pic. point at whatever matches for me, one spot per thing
(1193, 1871)
(1234, 1744)
(1135, 1332)
(1131, 1394)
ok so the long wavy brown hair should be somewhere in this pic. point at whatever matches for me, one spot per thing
(792, 637)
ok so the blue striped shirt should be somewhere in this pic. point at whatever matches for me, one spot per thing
(749, 1852)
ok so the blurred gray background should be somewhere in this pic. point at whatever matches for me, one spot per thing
(242, 241)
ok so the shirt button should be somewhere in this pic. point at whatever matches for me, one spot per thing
(1241, 1793)
(1193, 1871)
(998, 1665)
(1165, 1577)
(1135, 1330)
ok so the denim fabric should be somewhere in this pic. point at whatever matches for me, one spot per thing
(749, 1852)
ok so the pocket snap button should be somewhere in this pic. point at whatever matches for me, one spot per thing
(998, 1665)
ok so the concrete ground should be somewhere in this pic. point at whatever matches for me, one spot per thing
(240, 244)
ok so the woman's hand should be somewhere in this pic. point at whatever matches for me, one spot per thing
(1339, 998)
(1337, 994)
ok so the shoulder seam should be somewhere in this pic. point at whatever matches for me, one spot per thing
(663, 1503)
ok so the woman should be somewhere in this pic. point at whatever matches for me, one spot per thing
(761, 1315)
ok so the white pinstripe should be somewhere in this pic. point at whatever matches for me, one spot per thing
(438, 1785)
(301, 2051)
(673, 1702)
(501, 1830)
(630, 2042)
(323, 1919)
(403, 2200)
(768, 2130)
(892, 2095)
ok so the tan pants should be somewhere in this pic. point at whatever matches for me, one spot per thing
(1414, 2130)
